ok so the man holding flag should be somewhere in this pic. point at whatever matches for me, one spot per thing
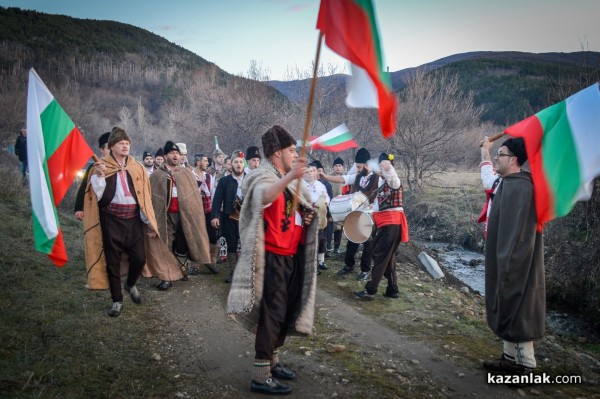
(515, 290)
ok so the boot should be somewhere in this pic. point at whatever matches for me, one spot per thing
(232, 260)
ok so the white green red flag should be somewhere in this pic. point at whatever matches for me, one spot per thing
(563, 148)
(56, 151)
(350, 30)
(338, 139)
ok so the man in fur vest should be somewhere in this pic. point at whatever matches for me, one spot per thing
(274, 284)
(515, 293)
(116, 210)
(179, 211)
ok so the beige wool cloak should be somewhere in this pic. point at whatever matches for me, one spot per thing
(191, 210)
(246, 292)
(94, 250)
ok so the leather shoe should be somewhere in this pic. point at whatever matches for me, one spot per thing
(212, 269)
(133, 293)
(363, 276)
(322, 266)
(164, 285)
(344, 271)
(364, 295)
(278, 371)
(505, 366)
(270, 387)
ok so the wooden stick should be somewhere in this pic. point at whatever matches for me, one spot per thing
(95, 157)
(311, 98)
(495, 137)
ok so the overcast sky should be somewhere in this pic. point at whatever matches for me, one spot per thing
(281, 34)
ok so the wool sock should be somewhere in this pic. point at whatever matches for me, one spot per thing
(521, 352)
(275, 358)
(262, 370)
(320, 258)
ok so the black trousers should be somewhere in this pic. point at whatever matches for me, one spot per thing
(280, 304)
(386, 242)
(176, 235)
(365, 259)
(322, 240)
(213, 234)
(118, 236)
(231, 231)
(329, 232)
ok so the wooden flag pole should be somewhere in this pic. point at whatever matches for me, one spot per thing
(311, 97)
(495, 137)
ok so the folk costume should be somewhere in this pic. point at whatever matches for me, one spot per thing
(206, 188)
(334, 230)
(179, 214)
(391, 229)
(320, 200)
(515, 293)
(95, 233)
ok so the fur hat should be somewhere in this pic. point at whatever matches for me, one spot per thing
(317, 164)
(170, 146)
(362, 156)
(182, 148)
(252, 152)
(103, 139)
(217, 152)
(159, 153)
(338, 161)
(275, 139)
(517, 147)
(146, 154)
(386, 157)
(117, 134)
(237, 154)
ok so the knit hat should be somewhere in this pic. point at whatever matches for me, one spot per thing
(182, 148)
(517, 147)
(159, 153)
(362, 156)
(338, 161)
(217, 152)
(237, 154)
(275, 139)
(103, 139)
(146, 154)
(170, 146)
(252, 152)
(117, 134)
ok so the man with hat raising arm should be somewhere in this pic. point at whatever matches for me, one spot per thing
(273, 289)
(366, 182)
(148, 162)
(115, 212)
(226, 206)
(391, 229)
(104, 152)
(515, 292)
(253, 158)
(179, 212)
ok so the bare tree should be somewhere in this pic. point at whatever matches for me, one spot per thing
(434, 112)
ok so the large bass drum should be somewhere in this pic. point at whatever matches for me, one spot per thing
(341, 205)
(358, 226)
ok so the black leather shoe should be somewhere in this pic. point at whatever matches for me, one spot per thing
(391, 294)
(364, 295)
(270, 387)
(278, 371)
(164, 285)
(212, 269)
(363, 276)
(344, 271)
(505, 366)
(193, 271)
(322, 266)
(133, 293)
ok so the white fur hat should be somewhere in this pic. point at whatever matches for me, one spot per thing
(182, 148)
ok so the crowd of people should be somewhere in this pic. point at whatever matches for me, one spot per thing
(163, 216)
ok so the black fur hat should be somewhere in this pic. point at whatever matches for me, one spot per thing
(170, 146)
(517, 147)
(146, 154)
(386, 157)
(252, 152)
(276, 138)
(103, 139)
(338, 161)
(117, 134)
(362, 156)
(159, 153)
(317, 164)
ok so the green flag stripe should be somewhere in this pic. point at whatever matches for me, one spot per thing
(56, 126)
(559, 157)
(367, 6)
(337, 140)
(43, 243)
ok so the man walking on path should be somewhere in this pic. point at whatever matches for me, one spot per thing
(21, 152)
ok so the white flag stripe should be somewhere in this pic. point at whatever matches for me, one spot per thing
(583, 113)
(360, 90)
(38, 98)
(341, 129)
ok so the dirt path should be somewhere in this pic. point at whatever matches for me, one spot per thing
(211, 356)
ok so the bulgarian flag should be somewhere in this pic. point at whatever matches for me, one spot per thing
(56, 151)
(338, 139)
(350, 30)
(563, 147)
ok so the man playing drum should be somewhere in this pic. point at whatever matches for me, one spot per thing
(364, 181)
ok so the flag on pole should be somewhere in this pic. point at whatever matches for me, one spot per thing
(563, 148)
(217, 144)
(350, 30)
(56, 151)
(338, 139)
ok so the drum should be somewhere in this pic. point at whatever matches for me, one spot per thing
(341, 205)
(358, 226)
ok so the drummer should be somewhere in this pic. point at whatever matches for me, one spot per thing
(391, 229)
(320, 200)
(366, 182)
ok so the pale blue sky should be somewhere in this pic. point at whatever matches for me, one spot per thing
(281, 34)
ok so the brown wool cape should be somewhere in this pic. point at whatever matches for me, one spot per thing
(515, 292)
(246, 291)
(156, 265)
(191, 211)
